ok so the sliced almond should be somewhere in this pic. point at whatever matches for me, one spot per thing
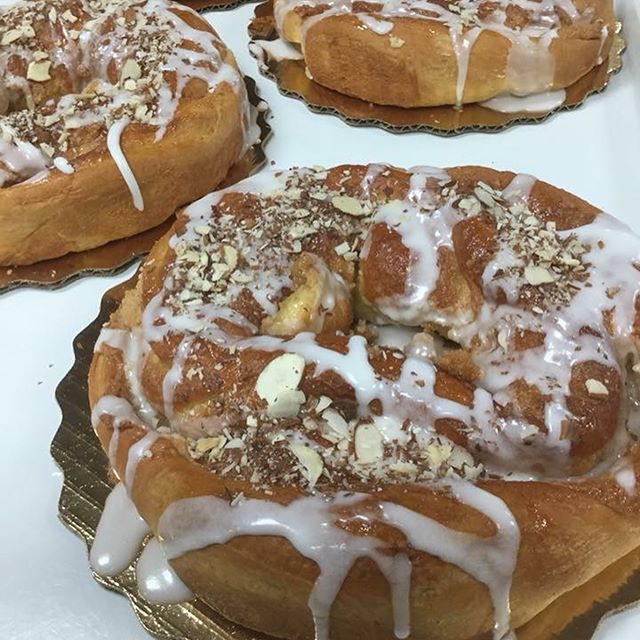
(281, 374)
(336, 423)
(395, 42)
(460, 457)
(131, 69)
(207, 444)
(301, 230)
(39, 71)
(437, 453)
(230, 256)
(49, 120)
(323, 403)
(405, 468)
(69, 17)
(342, 248)
(48, 149)
(348, 205)
(251, 421)
(310, 461)
(536, 275)
(528, 430)
(219, 270)
(596, 388)
(471, 206)
(287, 404)
(241, 277)
(11, 36)
(368, 443)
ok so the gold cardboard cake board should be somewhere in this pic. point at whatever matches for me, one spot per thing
(116, 256)
(291, 78)
(87, 482)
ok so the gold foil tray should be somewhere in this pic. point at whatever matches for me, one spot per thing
(291, 78)
(118, 255)
(87, 482)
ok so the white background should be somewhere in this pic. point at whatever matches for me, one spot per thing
(46, 588)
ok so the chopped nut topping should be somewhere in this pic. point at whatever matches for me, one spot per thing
(88, 97)
(39, 71)
(596, 388)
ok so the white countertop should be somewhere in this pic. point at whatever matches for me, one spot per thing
(46, 588)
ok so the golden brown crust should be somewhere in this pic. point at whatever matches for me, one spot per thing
(424, 69)
(569, 531)
(93, 206)
(62, 213)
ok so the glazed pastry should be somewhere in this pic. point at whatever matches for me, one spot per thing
(370, 401)
(440, 52)
(104, 103)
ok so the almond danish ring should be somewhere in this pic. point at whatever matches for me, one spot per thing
(103, 104)
(419, 53)
(365, 401)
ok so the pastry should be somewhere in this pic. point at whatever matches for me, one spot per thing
(104, 102)
(440, 52)
(370, 401)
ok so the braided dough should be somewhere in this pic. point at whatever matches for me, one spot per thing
(104, 102)
(415, 53)
(379, 400)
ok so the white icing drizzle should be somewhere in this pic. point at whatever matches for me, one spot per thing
(78, 35)
(424, 229)
(530, 65)
(626, 478)
(118, 539)
(308, 524)
(624, 474)
(536, 103)
(381, 27)
(139, 450)
(462, 42)
(119, 534)
(157, 581)
(509, 447)
(115, 149)
(121, 411)
(62, 165)
(276, 50)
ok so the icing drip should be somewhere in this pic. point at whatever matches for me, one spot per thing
(142, 44)
(580, 277)
(139, 450)
(538, 102)
(625, 476)
(377, 26)
(121, 411)
(62, 165)
(462, 42)
(157, 581)
(530, 64)
(119, 534)
(118, 539)
(115, 149)
(277, 50)
(308, 524)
